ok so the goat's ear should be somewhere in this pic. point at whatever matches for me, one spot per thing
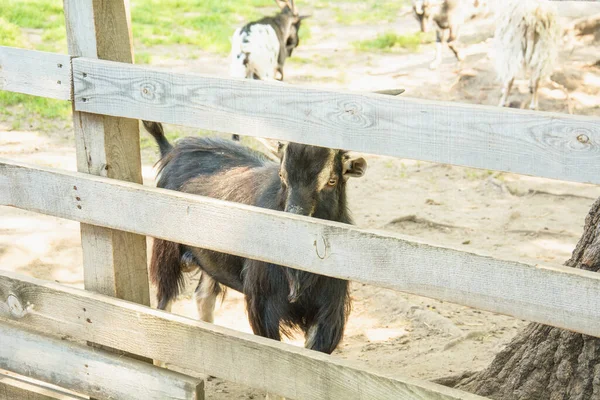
(301, 17)
(281, 3)
(354, 167)
(280, 149)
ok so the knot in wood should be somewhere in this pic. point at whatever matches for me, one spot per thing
(15, 307)
(148, 91)
(583, 138)
(353, 114)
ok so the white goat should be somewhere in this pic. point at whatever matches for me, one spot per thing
(525, 41)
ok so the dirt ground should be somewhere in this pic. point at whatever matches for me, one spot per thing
(505, 215)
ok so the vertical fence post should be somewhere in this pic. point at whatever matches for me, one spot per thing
(114, 262)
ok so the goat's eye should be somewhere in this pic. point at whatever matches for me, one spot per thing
(332, 182)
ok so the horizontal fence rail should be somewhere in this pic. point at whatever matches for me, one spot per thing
(562, 297)
(13, 386)
(548, 145)
(89, 371)
(35, 72)
(266, 364)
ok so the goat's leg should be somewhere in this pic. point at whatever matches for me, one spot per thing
(265, 315)
(165, 271)
(206, 294)
(327, 332)
(534, 85)
(505, 91)
(439, 42)
(453, 42)
(280, 71)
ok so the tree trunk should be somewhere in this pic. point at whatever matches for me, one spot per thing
(544, 362)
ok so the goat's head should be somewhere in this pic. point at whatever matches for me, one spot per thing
(292, 20)
(313, 179)
(313, 183)
(422, 11)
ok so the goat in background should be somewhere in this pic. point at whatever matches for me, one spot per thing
(259, 49)
(448, 15)
(525, 40)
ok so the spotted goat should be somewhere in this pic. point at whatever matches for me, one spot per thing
(259, 49)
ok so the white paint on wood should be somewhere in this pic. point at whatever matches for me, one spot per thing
(35, 72)
(90, 371)
(280, 368)
(563, 297)
(528, 142)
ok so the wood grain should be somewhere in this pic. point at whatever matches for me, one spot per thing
(89, 371)
(528, 142)
(14, 387)
(562, 297)
(287, 370)
(35, 73)
(11, 389)
(114, 262)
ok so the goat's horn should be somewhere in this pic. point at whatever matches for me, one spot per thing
(391, 92)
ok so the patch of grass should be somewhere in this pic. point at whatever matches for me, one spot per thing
(45, 108)
(367, 11)
(10, 34)
(207, 24)
(389, 41)
(33, 111)
(143, 57)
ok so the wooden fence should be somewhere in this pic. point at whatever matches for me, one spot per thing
(109, 96)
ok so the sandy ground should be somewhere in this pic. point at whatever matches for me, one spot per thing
(505, 215)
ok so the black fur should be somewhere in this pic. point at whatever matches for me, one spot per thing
(278, 299)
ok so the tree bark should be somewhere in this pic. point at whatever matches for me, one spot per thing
(543, 362)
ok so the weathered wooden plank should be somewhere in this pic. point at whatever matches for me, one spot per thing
(280, 368)
(35, 72)
(562, 297)
(535, 143)
(13, 389)
(89, 371)
(14, 386)
(114, 262)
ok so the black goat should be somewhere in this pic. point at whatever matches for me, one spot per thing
(308, 181)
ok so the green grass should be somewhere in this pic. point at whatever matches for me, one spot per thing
(35, 111)
(143, 57)
(207, 24)
(202, 24)
(352, 12)
(389, 41)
